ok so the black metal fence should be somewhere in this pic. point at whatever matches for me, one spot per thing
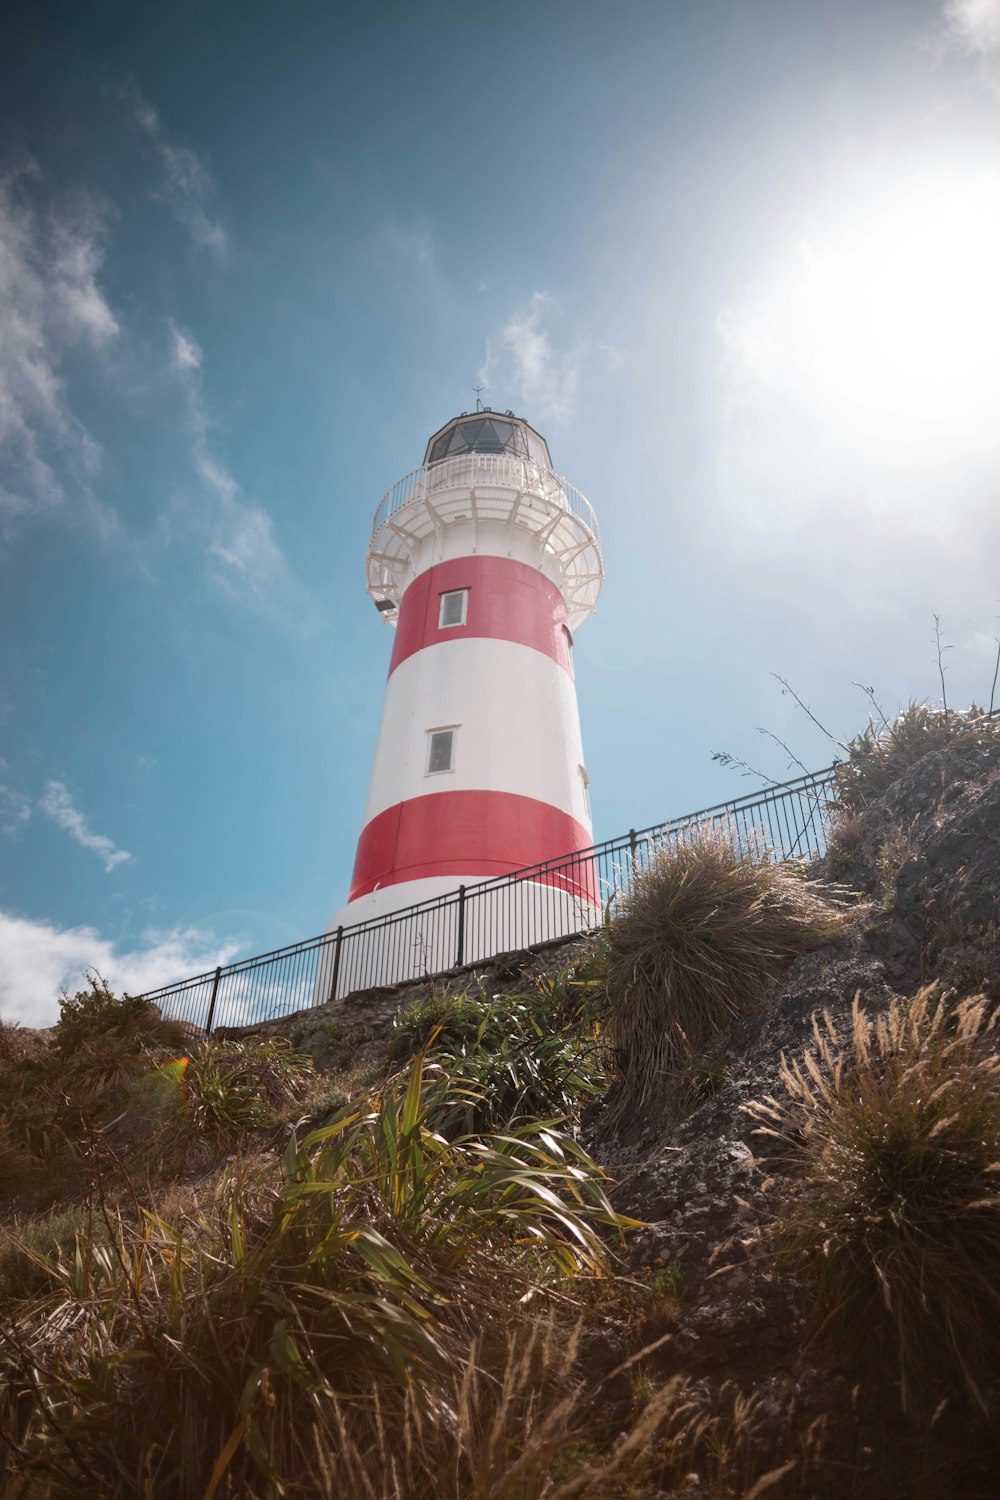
(558, 898)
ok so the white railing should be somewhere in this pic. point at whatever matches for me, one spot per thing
(503, 470)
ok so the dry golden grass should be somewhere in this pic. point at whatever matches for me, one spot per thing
(894, 1131)
(884, 752)
(697, 943)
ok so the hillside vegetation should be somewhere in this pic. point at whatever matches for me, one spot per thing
(707, 1206)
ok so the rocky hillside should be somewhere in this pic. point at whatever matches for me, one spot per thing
(785, 1282)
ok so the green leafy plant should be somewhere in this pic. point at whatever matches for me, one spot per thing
(527, 1076)
(310, 1310)
(450, 1017)
(228, 1089)
(894, 1133)
(46, 1252)
(696, 943)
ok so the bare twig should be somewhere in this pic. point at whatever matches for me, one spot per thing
(786, 687)
(940, 650)
(996, 669)
(794, 759)
(725, 759)
(869, 692)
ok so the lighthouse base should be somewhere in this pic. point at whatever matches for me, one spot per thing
(384, 941)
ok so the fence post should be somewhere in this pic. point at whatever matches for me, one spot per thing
(633, 843)
(336, 963)
(211, 1003)
(460, 955)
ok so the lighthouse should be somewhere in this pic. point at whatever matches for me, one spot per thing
(485, 562)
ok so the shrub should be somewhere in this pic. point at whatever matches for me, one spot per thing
(895, 1226)
(696, 943)
(94, 1013)
(17, 1166)
(879, 756)
(15, 1043)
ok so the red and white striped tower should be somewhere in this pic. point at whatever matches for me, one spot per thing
(485, 561)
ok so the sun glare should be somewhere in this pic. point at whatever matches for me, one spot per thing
(885, 323)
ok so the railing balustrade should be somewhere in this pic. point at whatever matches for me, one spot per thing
(558, 898)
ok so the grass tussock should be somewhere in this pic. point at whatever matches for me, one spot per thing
(878, 757)
(895, 1226)
(695, 944)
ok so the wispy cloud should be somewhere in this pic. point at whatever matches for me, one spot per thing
(15, 810)
(186, 353)
(58, 804)
(974, 26)
(244, 554)
(408, 245)
(187, 184)
(524, 366)
(38, 959)
(51, 303)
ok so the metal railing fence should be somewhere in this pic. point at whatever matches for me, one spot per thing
(558, 898)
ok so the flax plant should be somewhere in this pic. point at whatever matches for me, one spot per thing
(211, 1349)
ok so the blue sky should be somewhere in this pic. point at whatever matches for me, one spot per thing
(737, 261)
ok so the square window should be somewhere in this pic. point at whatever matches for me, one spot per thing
(453, 606)
(441, 755)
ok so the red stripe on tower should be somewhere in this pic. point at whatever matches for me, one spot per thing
(507, 601)
(466, 833)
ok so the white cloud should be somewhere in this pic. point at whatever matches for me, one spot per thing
(974, 25)
(245, 546)
(187, 183)
(187, 353)
(58, 804)
(50, 304)
(524, 368)
(246, 558)
(39, 959)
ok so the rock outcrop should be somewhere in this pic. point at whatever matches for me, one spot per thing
(925, 862)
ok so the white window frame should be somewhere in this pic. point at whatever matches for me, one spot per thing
(585, 779)
(449, 769)
(450, 594)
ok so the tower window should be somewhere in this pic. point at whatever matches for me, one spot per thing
(441, 754)
(453, 608)
(585, 779)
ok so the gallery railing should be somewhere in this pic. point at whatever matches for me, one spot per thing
(559, 898)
